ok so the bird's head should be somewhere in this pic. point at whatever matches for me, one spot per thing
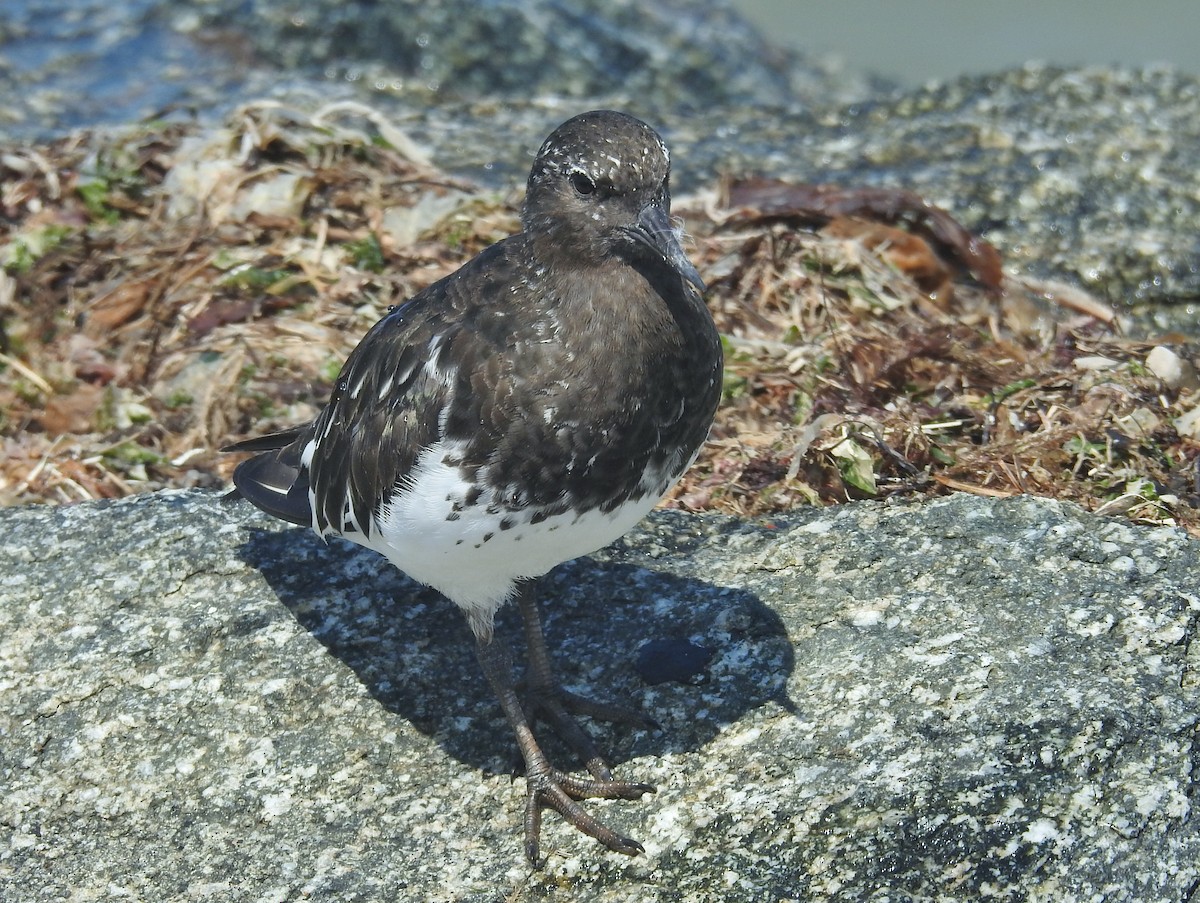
(599, 187)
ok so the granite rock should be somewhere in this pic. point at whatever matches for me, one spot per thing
(958, 699)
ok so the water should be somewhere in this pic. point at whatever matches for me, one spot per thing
(919, 40)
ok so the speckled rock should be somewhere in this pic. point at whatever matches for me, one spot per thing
(963, 699)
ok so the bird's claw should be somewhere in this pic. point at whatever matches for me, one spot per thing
(554, 789)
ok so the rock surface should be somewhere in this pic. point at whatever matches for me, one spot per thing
(960, 699)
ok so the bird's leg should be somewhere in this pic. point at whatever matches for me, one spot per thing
(544, 784)
(546, 699)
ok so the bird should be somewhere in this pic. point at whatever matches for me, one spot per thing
(527, 409)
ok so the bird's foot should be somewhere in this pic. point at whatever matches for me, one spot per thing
(547, 787)
(546, 701)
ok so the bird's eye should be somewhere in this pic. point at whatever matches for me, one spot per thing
(582, 184)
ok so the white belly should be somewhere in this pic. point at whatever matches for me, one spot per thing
(463, 552)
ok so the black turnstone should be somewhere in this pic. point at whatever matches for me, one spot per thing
(523, 411)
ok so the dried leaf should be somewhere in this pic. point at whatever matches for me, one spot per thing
(117, 306)
(73, 413)
(855, 465)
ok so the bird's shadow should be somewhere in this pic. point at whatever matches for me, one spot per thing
(412, 650)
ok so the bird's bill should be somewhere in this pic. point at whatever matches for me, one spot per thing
(654, 229)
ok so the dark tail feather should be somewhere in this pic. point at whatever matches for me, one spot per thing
(269, 442)
(274, 481)
(276, 486)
